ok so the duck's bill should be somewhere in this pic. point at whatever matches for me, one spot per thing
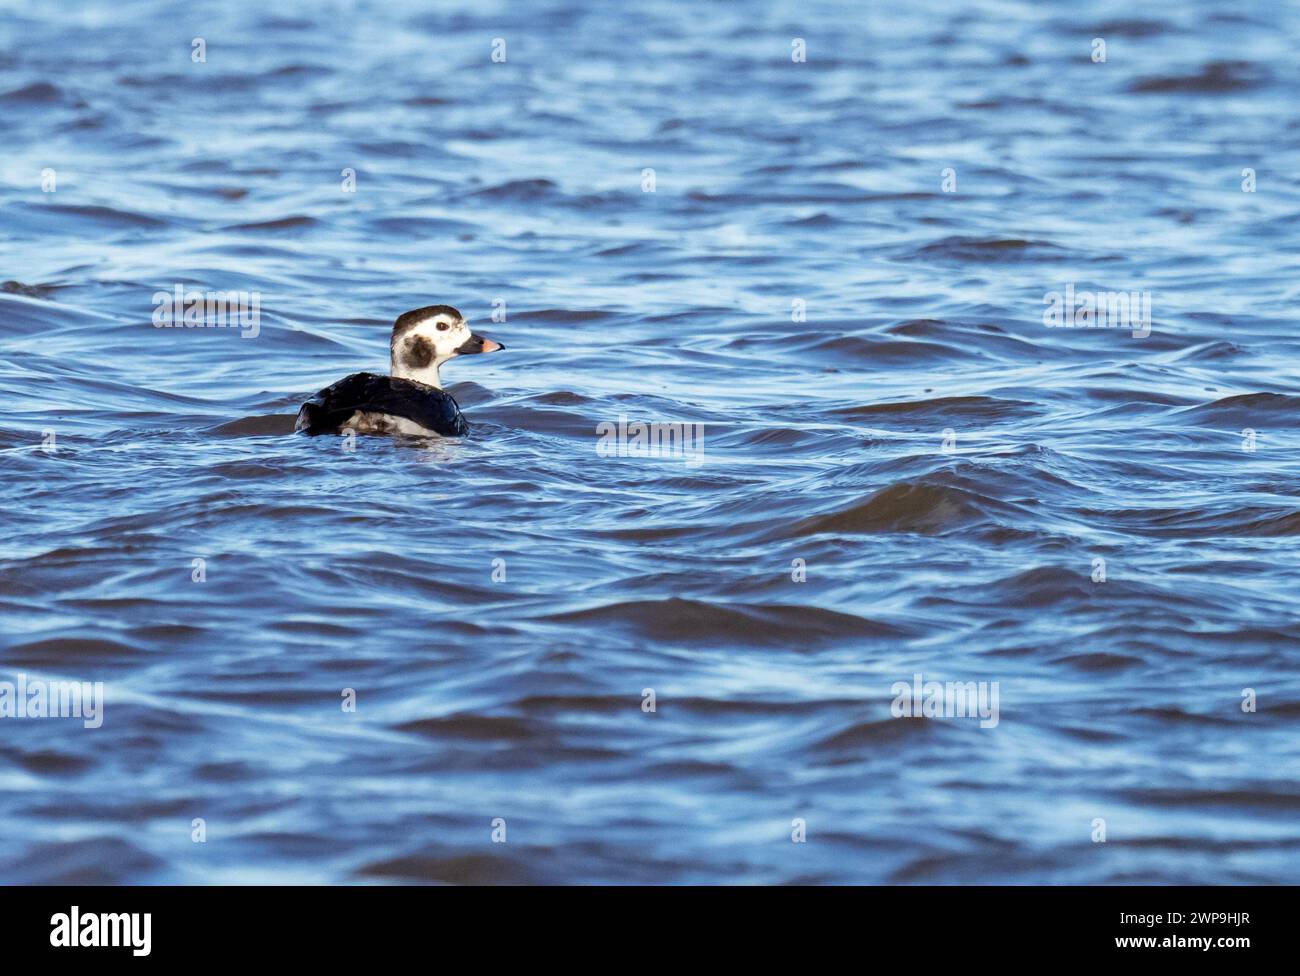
(478, 343)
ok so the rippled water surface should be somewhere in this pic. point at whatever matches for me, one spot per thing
(905, 471)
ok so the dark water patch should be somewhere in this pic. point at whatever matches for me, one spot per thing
(882, 732)
(777, 437)
(1274, 798)
(920, 328)
(519, 190)
(474, 728)
(966, 409)
(1099, 662)
(293, 223)
(1172, 714)
(561, 398)
(269, 698)
(757, 707)
(1249, 409)
(1134, 27)
(563, 705)
(1045, 586)
(929, 509)
(816, 220)
(1213, 78)
(465, 869)
(300, 71)
(109, 216)
(676, 619)
(876, 350)
(1247, 521)
(60, 654)
(273, 425)
(37, 93)
(388, 148)
(49, 762)
(989, 249)
(225, 772)
(638, 249)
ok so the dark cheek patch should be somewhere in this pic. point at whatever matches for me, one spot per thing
(418, 352)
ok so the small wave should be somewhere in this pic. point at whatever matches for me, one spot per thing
(297, 222)
(885, 731)
(39, 93)
(1133, 27)
(1045, 586)
(518, 190)
(990, 249)
(561, 398)
(67, 654)
(1256, 520)
(110, 215)
(923, 508)
(1248, 410)
(1280, 798)
(298, 71)
(878, 350)
(967, 409)
(822, 219)
(677, 619)
(1173, 713)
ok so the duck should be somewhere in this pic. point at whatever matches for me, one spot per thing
(410, 401)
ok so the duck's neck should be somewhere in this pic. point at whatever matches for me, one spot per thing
(428, 375)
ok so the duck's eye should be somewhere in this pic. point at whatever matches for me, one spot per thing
(442, 326)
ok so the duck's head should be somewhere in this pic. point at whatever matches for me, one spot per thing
(425, 338)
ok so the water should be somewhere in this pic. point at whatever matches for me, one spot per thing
(950, 471)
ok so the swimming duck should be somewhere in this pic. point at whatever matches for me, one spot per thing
(411, 401)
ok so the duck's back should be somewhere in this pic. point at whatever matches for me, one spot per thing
(372, 404)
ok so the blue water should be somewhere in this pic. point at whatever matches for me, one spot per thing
(904, 469)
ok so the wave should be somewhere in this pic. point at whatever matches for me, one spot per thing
(1002, 250)
(967, 409)
(785, 625)
(921, 507)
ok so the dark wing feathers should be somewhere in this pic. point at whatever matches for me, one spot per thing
(332, 407)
